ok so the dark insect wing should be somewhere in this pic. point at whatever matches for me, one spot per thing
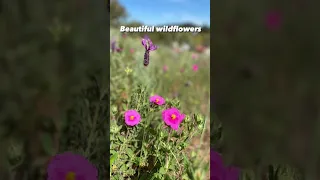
(146, 58)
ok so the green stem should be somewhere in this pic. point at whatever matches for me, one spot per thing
(169, 136)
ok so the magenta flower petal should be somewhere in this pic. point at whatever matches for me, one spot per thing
(62, 164)
(172, 117)
(232, 173)
(156, 99)
(132, 117)
(216, 158)
(195, 67)
(218, 171)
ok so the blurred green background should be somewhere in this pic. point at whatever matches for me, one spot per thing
(266, 86)
(54, 78)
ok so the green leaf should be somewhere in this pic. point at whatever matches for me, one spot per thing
(130, 153)
(121, 138)
(124, 106)
(162, 170)
(113, 158)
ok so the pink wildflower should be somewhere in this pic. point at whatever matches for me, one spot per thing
(156, 99)
(172, 117)
(181, 70)
(195, 67)
(165, 68)
(131, 50)
(132, 117)
(194, 56)
(273, 20)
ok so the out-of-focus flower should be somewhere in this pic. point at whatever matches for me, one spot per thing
(195, 68)
(131, 50)
(273, 20)
(172, 117)
(132, 117)
(194, 56)
(69, 166)
(128, 70)
(185, 47)
(218, 171)
(156, 99)
(114, 47)
(165, 68)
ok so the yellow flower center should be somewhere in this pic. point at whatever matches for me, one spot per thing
(157, 100)
(173, 116)
(131, 118)
(71, 176)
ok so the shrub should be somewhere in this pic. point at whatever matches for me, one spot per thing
(150, 149)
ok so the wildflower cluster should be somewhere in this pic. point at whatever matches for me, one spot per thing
(147, 135)
(172, 116)
(150, 134)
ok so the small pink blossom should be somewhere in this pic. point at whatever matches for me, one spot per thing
(165, 68)
(156, 99)
(132, 117)
(131, 50)
(194, 56)
(181, 70)
(195, 68)
(273, 20)
(172, 117)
